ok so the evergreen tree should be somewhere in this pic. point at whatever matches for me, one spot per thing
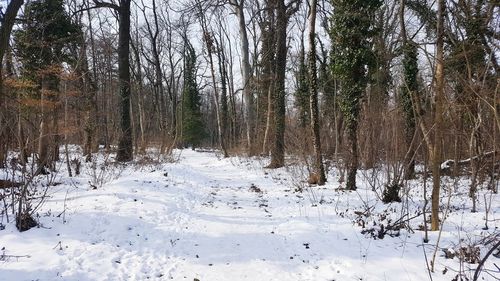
(350, 33)
(45, 36)
(192, 126)
(42, 46)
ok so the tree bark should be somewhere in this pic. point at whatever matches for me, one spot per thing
(278, 147)
(248, 112)
(224, 81)
(409, 90)
(319, 169)
(266, 83)
(46, 141)
(90, 86)
(140, 93)
(436, 152)
(125, 148)
(7, 22)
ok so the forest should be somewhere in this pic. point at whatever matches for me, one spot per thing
(376, 120)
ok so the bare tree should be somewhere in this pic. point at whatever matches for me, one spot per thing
(246, 72)
(209, 41)
(283, 14)
(125, 148)
(436, 151)
(7, 21)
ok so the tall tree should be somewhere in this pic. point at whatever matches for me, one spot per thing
(246, 73)
(350, 33)
(154, 31)
(210, 44)
(42, 46)
(88, 81)
(302, 86)
(409, 90)
(283, 14)
(7, 21)
(224, 78)
(319, 170)
(266, 79)
(125, 148)
(436, 151)
(192, 125)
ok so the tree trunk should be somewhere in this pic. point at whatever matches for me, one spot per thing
(223, 97)
(436, 153)
(278, 147)
(319, 169)
(266, 83)
(209, 41)
(140, 93)
(90, 86)
(125, 149)
(158, 80)
(269, 117)
(248, 112)
(8, 21)
(46, 141)
(409, 90)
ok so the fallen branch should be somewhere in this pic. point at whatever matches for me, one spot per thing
(483, 260)
(447, 165)
(4, 257)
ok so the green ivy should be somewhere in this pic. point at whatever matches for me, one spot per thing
(410, 88)
(350, 32)
(193, 130)
(302, 91)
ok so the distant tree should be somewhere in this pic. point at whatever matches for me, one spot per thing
(154, 34)
(302, 88)
(350, 33)
(193, 131)
(211, 48)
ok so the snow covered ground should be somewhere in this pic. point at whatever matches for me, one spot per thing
(206, 218)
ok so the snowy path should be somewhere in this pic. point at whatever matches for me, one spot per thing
(208, 219)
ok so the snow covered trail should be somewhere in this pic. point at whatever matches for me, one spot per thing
(203, 218)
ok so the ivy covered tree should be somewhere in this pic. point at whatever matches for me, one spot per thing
(409, 91)
(318, 176)
(302, 88)
(42, 46)
(193, 131)
(351, 30)
(283, 14)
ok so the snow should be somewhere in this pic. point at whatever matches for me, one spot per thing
(207, 218)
